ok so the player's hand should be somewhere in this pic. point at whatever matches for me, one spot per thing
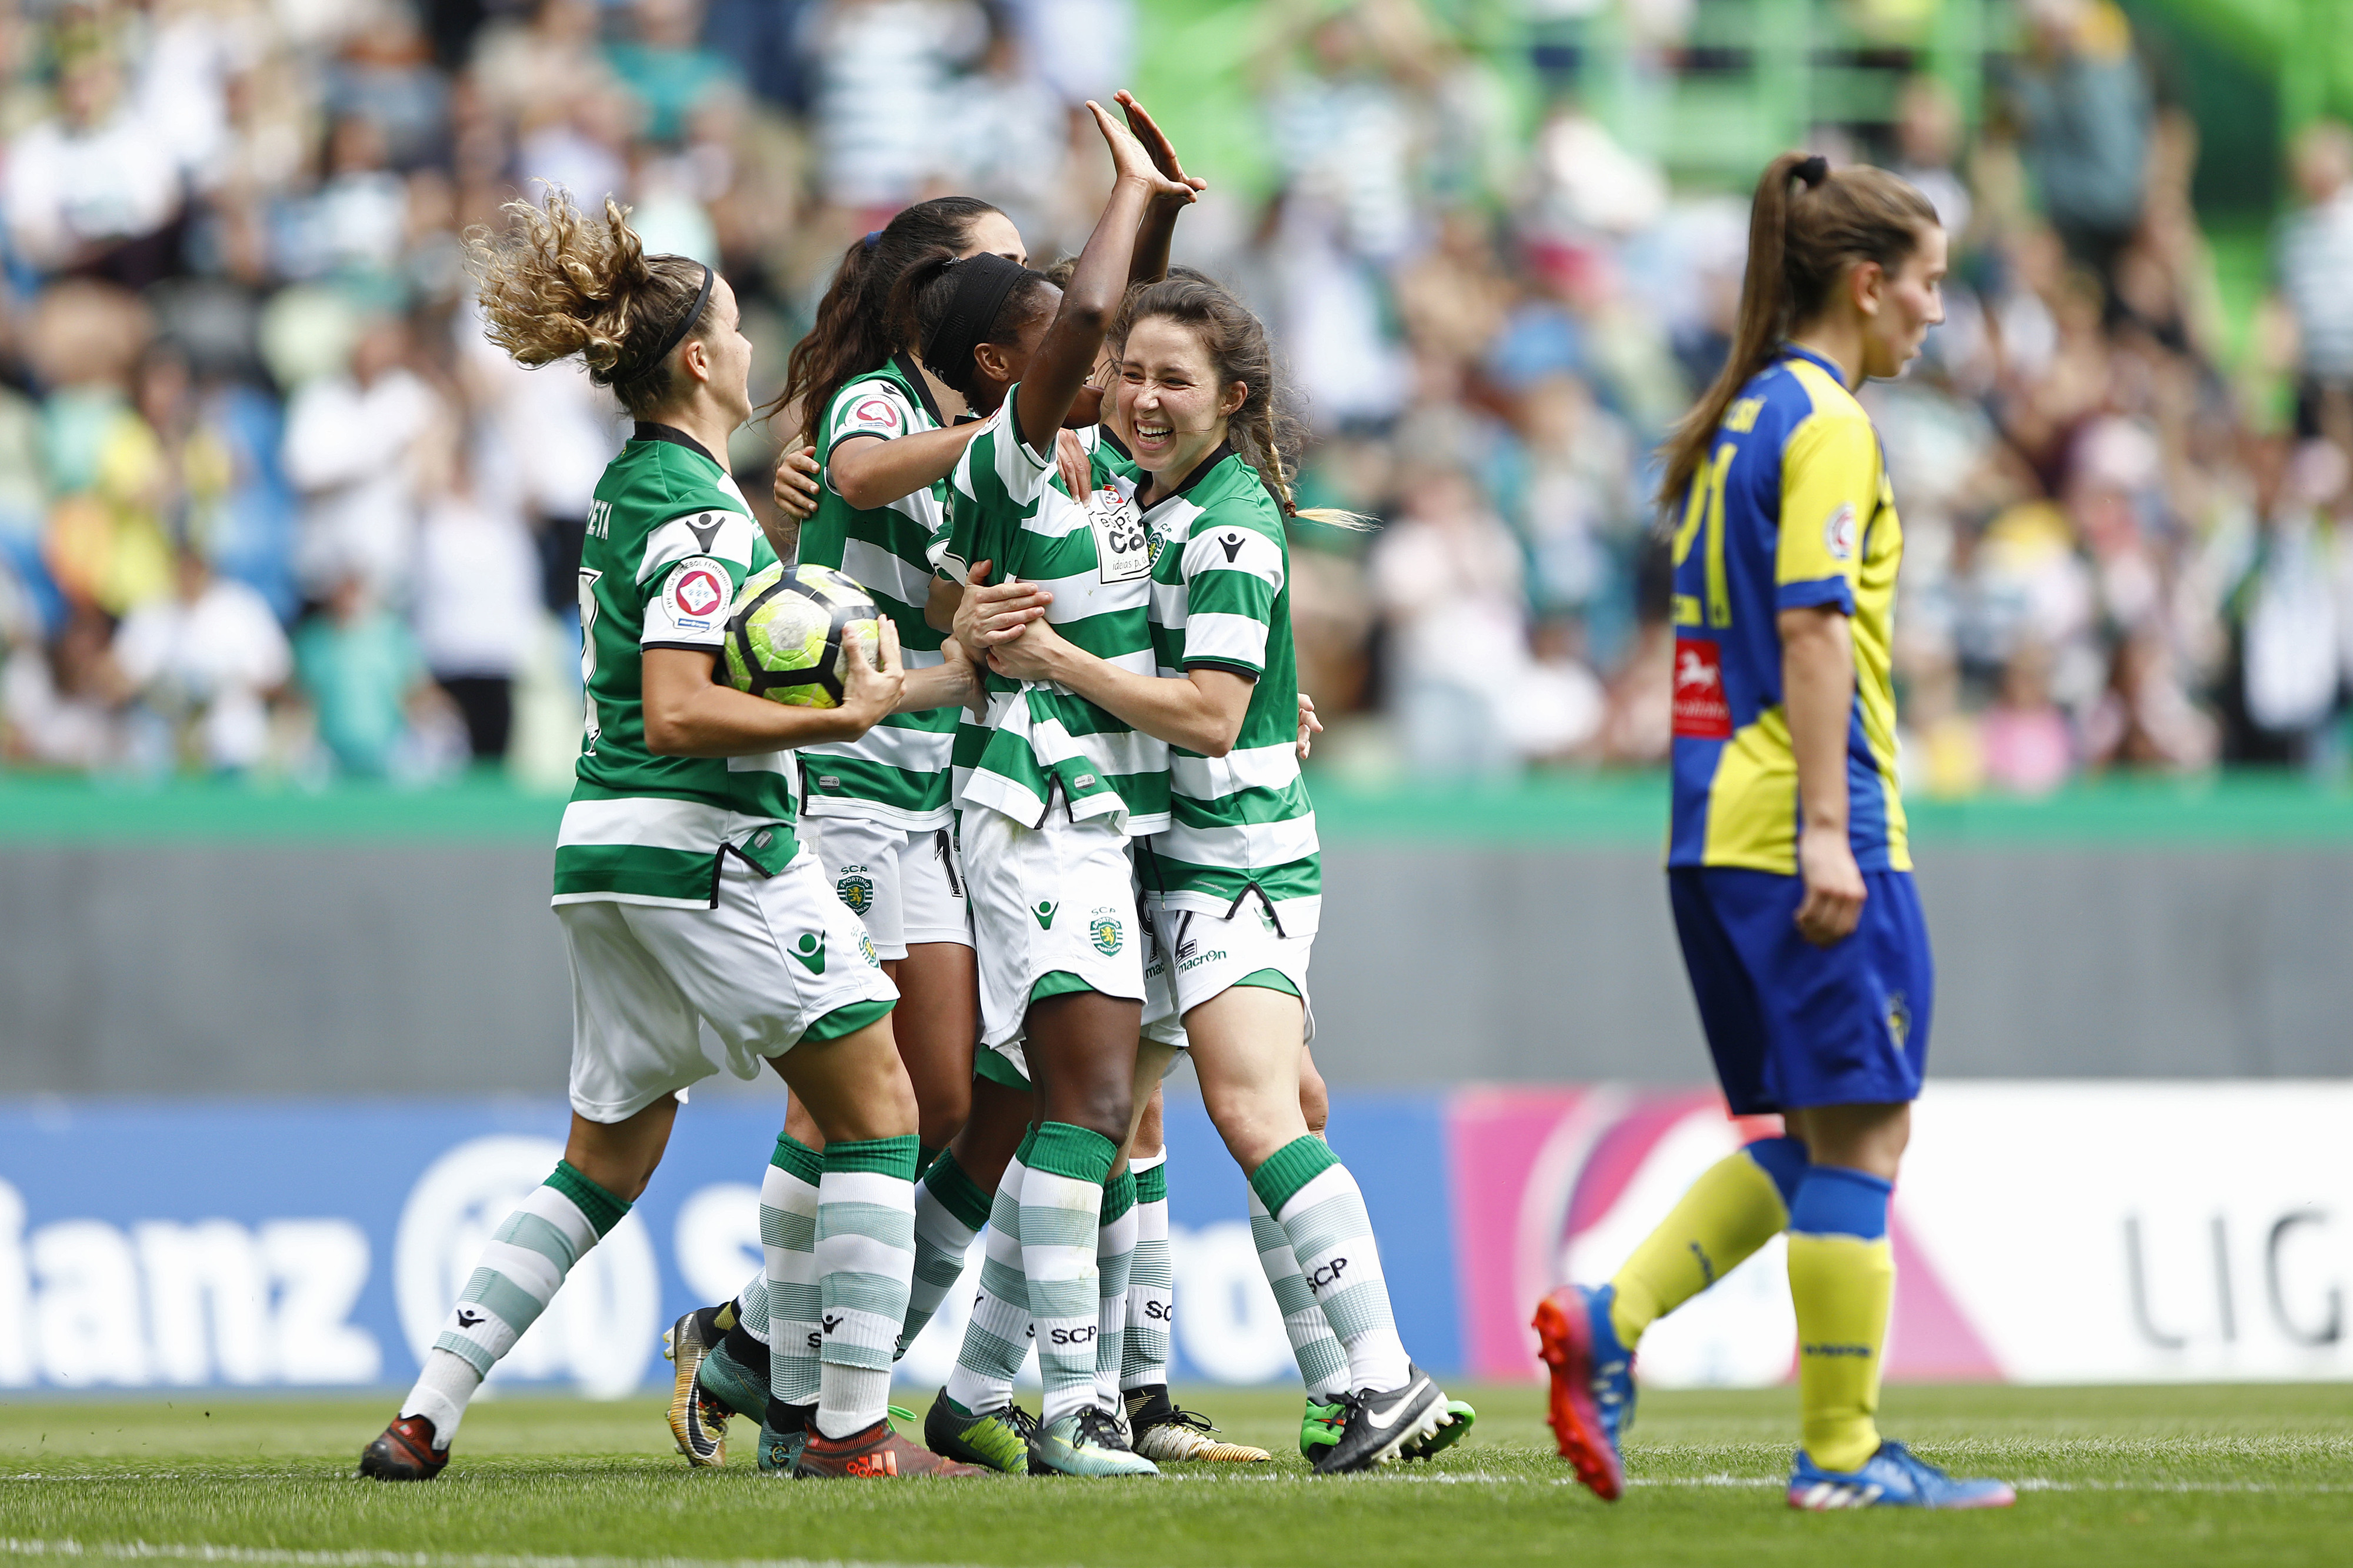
(1030, 656)
(1070, 461)
(797, 485)
(872, 684)
(1155, 142)
(1129, 161)
(1834, 890)
(990, 615)
(1310, 726)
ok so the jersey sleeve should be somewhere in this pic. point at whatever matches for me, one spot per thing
(875, 406)
(1830, 490)
(1024, 472)
(978, 505)
(1232, 574)
(689, 574)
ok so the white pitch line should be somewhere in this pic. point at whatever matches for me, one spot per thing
(146, 1550)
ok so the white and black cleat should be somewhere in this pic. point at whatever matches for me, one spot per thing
(1378, 1425)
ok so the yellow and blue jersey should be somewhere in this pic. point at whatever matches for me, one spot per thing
(1790, 508)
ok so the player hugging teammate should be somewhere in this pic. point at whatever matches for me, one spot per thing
(1151, 615)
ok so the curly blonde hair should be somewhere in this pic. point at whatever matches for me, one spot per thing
(557, 283)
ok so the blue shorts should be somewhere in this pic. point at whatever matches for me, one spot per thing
(1791, 1024)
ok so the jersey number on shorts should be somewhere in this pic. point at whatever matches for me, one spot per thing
(592, 728)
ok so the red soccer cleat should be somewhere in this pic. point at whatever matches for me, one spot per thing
(1564, 1323)
(404, 1452)
(877, 1453)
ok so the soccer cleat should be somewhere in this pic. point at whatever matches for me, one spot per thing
(877, 1453)
(1378, 1425)
(995, 1439)
(1893, 1477)
(782, 1430)
(728, 1382)
(1158, 1430)
(1452, 1426)
(1321, 1426)
(1592, 1399)
(1086, 1443)
(698, 1421)
(404, 1451)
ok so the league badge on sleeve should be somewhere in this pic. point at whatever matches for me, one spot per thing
(876, 416)
(1837, 533)
(698, 591)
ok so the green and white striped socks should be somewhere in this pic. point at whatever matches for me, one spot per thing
(950, 1210)
(522, 1268)
(1062, 1208)
(866, 1256)
(997, 1339)
(1322, 1364)
(1151, 1281)
(1309, 1191)
(788, 1202)
(1115, 1252)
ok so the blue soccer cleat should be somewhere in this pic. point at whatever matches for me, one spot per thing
(1893, 1477)
(1592, 1400)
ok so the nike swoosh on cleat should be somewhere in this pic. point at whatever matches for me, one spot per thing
(1382, 1424)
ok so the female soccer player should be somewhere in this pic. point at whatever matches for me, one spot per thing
(1049, 788)
(1787, 866)
(683, 892)
(1234, 882)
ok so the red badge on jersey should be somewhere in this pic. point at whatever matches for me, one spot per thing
(699, 591)
(875, 413)
(1702, 713)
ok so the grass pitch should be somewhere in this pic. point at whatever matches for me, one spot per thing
(2146, 1476)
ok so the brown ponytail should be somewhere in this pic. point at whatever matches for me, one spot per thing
(1799, 243)
(1263, 430)
(555, 284)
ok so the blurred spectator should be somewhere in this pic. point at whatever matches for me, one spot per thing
(350, 446)
(200, 666)
(2084, 101)
(476, 593)
(2313, 259)
(368, 683)
(95, 189)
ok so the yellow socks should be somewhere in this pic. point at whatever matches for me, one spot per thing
(1738, 1204)
(1841, 1277)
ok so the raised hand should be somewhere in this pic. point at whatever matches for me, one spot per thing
(1156, 142)
(1129, 160)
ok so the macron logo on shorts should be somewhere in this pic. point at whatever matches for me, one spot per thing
(1702, 712)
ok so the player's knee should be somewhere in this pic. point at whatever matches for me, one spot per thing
(946, 1107)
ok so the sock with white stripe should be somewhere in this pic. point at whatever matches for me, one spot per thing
(788, 1202)
(950, 1210)
(866, 1253)
(1322, 1364)
(522, 1268)
(1151, 1283)
(1115, 1252)
(1062, 1210)
(1320, 1208)
(997, 1339)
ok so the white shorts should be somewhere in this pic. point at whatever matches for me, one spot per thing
(1047, 899)
(907, 887)
(776, 955)
(1204, 954)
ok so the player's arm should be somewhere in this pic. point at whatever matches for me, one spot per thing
(688, 713)
(951, 683)
(869, 471)
(1153, 237)
(1200, 711)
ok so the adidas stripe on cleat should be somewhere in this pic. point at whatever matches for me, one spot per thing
(404, 1451)
(877, 1453)
(1378, 1425)
(1592, 1394)
(1893, 1477)
(698, 1422)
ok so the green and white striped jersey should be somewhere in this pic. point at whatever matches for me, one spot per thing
(1007, 505)
(897, 771)
(1221, 599)
(670, 538)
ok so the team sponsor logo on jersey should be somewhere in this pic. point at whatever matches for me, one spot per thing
(1044, 910)
(698, 591)
(1232, 543)
(879, 414)
(811, 951)
(1106, 931)
(1837, 533)
(1122, 545)
(856, 886)
(1702, 713)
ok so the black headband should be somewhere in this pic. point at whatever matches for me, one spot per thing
(983, 281)
(1813, 171)
(686, 322)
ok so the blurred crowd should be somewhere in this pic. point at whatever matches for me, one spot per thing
(268, 502)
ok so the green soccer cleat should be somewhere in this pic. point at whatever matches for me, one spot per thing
(732, 1384)
(1320, 1427)
(995, 1440)
(1086, 1443)
(784, 1432)
(1452, 1428)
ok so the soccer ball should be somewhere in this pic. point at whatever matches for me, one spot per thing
(784, 639)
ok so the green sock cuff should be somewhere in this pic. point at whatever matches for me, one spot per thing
(1119, 1196)
(796, 1159)
(1076, 1152)
(1029, 1142)
(1152, 1184)
(883, 1156)
(957, 1191)
(601, 1208)
(925, 1158)
(1290, 1168)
